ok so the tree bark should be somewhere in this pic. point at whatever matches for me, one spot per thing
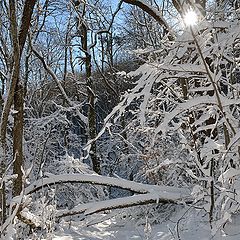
(7, 106)
(18, 139)
(91, 101)
(19, 102)
(25, 22)
(15, 94)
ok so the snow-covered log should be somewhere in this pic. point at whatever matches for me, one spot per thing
(141, 199)
(103, 180)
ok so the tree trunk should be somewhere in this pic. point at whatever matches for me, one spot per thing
(18, 139)
(15, 94)
(19, 101)
(91, 101)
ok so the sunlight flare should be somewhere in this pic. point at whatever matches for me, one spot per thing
(190, 18)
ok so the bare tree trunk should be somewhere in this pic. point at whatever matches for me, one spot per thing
(19, 101)
(91, 101)
(18, 138)
(8, 103)
(15, 94)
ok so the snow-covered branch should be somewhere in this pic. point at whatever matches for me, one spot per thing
(147, 193)
(103, 180)
(93, 207)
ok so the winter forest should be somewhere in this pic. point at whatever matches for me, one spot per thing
(120, 119)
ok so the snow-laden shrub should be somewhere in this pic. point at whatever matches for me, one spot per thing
(184, 121)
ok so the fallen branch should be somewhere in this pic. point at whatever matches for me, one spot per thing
(103, 180)
(142, 199)
(146, 193)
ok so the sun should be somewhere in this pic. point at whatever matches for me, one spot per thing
(190, 18)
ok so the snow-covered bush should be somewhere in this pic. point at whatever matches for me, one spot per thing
(186, 126)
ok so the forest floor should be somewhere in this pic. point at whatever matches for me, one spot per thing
(183, 225)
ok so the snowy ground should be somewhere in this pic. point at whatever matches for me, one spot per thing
(182, 226)
(107, 231)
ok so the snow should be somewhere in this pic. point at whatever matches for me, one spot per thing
(214, 176)
(146, 92)
(185, 224)
(13, 111)
(228, 174)
(94, 207)
(108, 230)
(122, 73)
(103, 180)
(182, 107)
(183, 68)
(150, 193)
(233, 141)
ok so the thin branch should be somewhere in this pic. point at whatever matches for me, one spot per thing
(157, 15)
(57, 81)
